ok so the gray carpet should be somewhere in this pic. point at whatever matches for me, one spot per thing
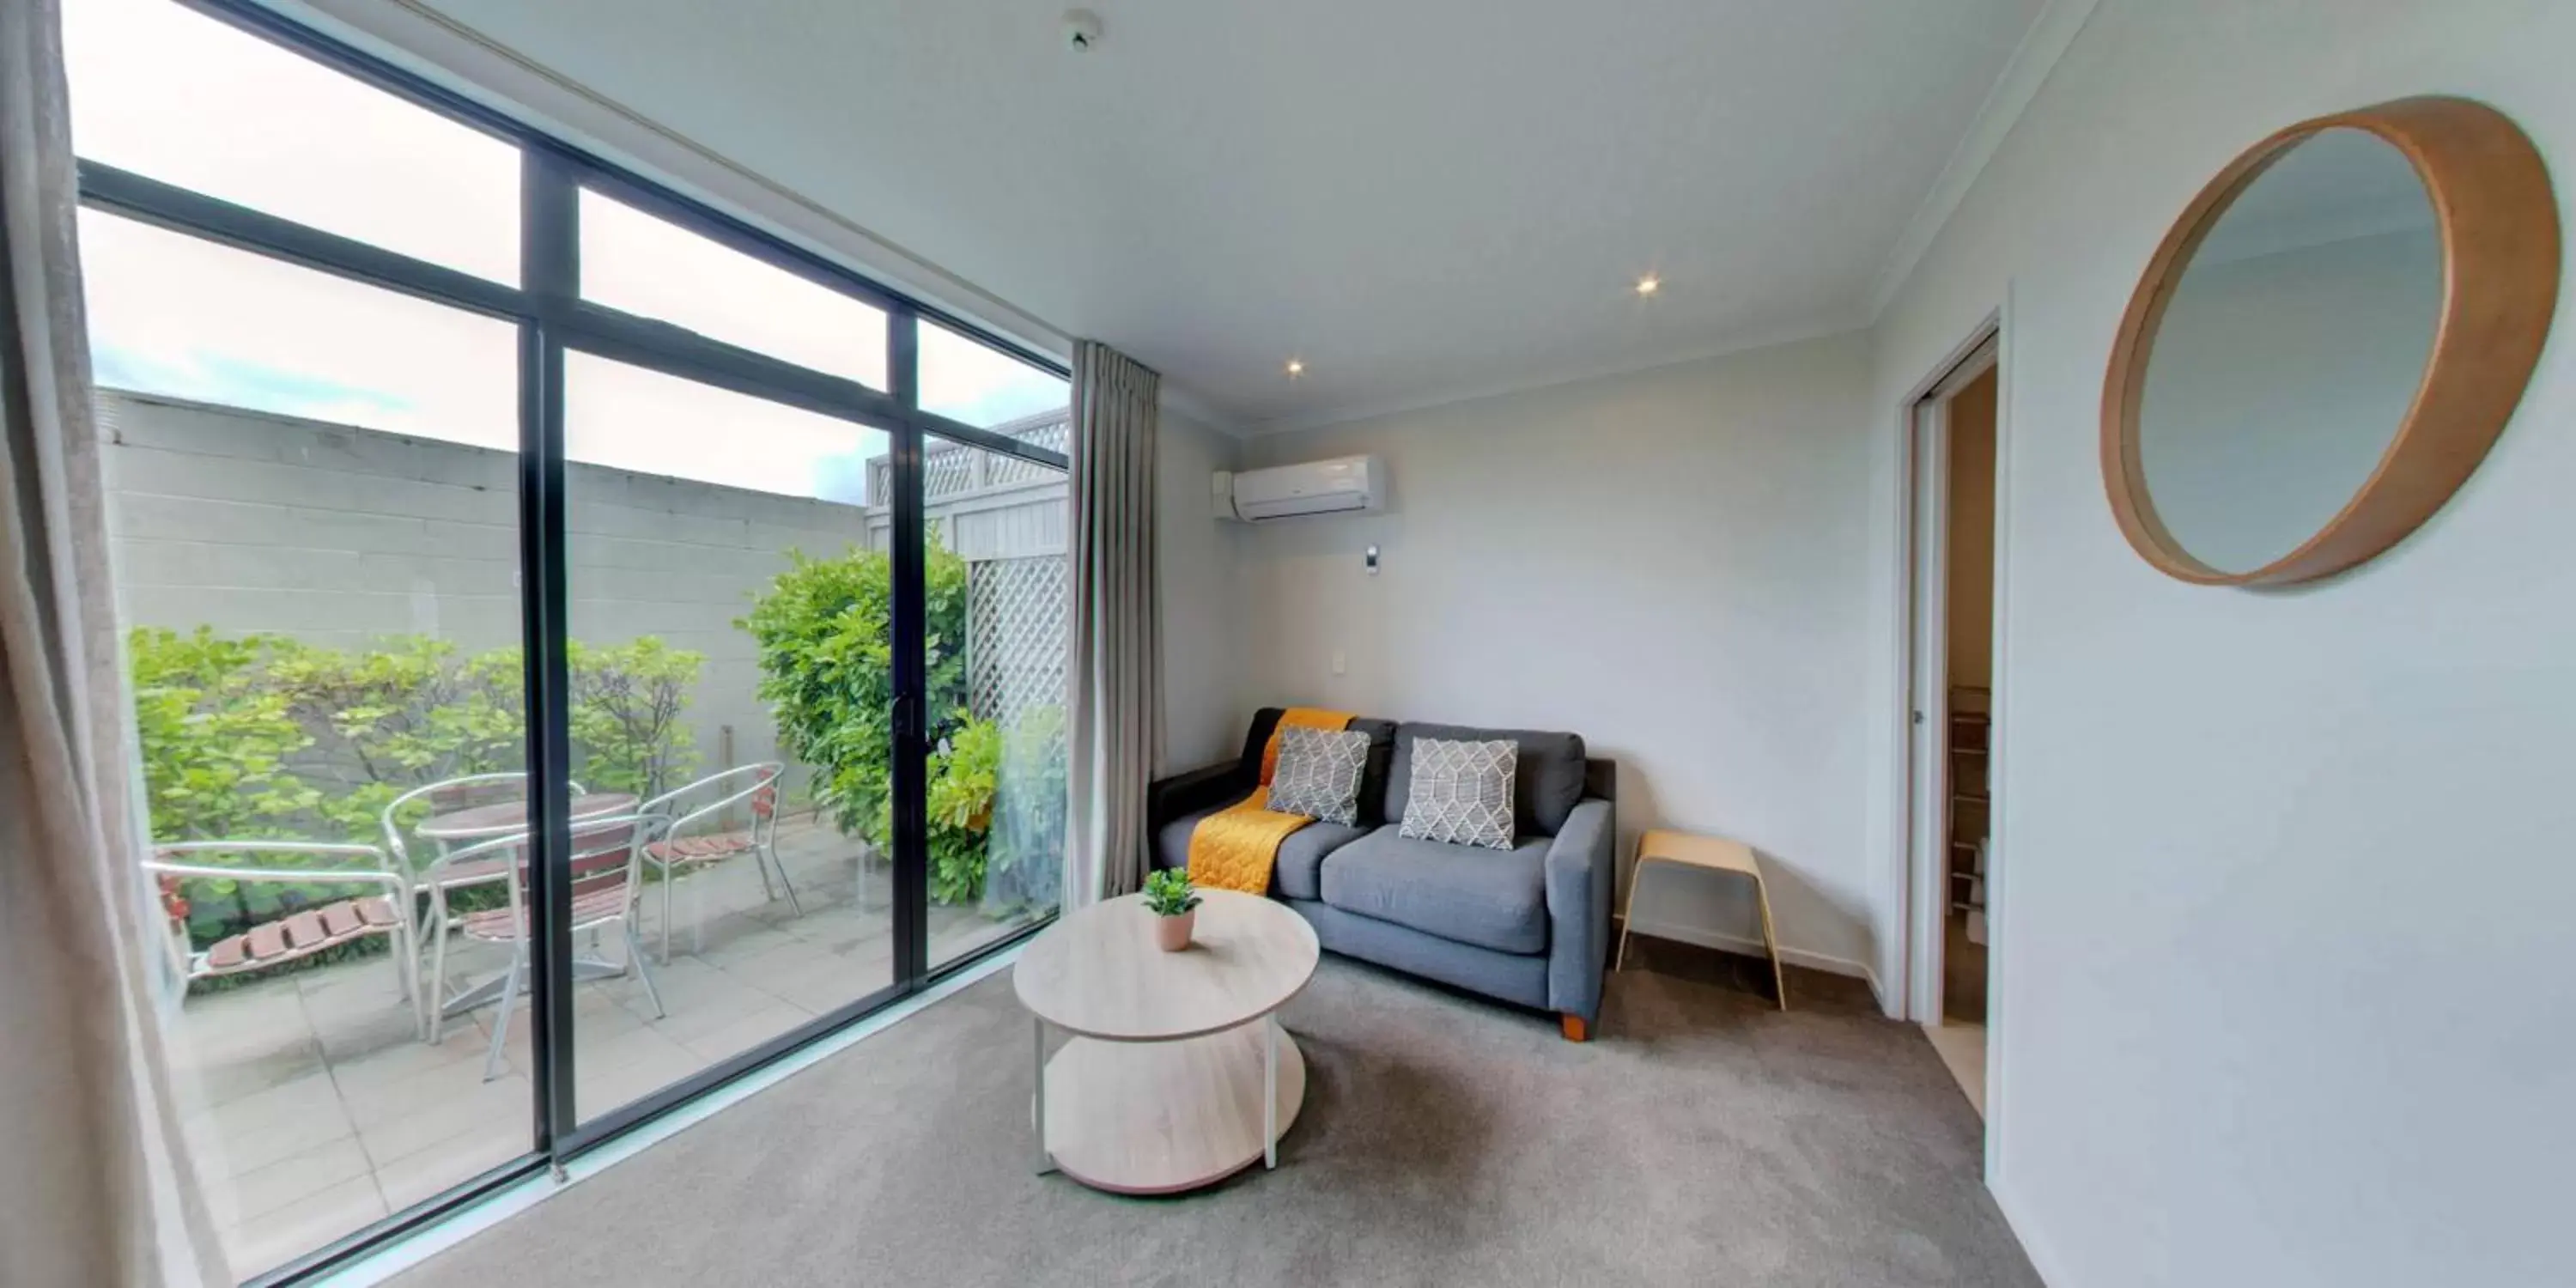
(1701, 1138)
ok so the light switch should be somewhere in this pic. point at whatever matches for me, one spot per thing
(1340, 664)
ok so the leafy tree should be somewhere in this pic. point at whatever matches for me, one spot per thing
(409, 712)
(415, 710)
(627, 701)
(823, 631)
(215, 735)
(827, 673)
(263, 736)
(965, 770)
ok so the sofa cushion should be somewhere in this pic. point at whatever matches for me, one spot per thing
(1372, 780)
(1490, 898)
(1461, 793)
(1319, 774)
(1549, 782)
(1292, 876)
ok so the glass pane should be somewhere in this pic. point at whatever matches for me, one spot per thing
(728, 613)
(167, 92)
(316, 554)
(997, 604)
(175, 315)
(650, 267)
(968, 381)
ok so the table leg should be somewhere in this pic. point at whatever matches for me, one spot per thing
(1270, 1090)
(1628, 915)
(584, 970)
(1046, 1161)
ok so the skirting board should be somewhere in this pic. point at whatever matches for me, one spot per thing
(1752, 947)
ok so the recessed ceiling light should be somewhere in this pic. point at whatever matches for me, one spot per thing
(1296, 367)
(1649, 284)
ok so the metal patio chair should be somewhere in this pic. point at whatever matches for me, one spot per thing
(606, 869)
(699, 838)
(293, 933)
(446, 796)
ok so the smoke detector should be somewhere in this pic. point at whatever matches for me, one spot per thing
(1081, 30)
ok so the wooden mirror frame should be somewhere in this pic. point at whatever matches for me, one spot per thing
(2499, 224)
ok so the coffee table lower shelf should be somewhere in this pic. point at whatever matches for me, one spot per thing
(1163, 1117)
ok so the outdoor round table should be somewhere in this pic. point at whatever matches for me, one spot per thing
(501, 818)
(510, 818)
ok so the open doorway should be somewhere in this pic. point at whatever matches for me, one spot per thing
(1951, 704)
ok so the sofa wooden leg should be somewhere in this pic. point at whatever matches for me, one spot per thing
(1575, 1028)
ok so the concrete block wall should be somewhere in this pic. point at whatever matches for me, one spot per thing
(248, 521)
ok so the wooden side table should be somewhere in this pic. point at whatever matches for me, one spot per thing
(1709, 854)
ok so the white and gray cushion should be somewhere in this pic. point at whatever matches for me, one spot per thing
(1319, 774)
(1460, 793)
(1549, 783)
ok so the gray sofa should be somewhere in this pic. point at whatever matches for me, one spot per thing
(1529, 925)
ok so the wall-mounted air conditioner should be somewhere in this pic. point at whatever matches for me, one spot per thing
(1342, 485)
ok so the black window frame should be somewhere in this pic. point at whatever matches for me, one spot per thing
(552, 319)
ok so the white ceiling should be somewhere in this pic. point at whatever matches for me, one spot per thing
(1423, 200)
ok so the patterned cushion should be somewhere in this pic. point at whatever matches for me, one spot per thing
(1461, 792)
(1319, 774)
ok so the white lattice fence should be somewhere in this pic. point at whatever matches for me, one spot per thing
(1015, 637)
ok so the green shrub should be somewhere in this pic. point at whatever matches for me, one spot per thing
(1026, 861)
(627, 701)
(965, 771)
(409, 712)
(823, 630)
(215, 735)
(826, 671)
(262, 736)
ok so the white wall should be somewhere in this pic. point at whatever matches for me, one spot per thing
(2284, 879)
(1669, 563)
(1202, 652)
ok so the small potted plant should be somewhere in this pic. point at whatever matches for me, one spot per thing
(1175, 904)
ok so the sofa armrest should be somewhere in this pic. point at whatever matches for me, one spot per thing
(1169, 798)
(1579, 868)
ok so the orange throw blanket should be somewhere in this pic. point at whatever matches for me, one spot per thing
(1235, 847)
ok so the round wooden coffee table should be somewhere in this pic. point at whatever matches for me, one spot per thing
(1178, 1074)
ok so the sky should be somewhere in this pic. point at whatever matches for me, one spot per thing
(166, 92)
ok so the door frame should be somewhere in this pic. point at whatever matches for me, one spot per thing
(1922, 503)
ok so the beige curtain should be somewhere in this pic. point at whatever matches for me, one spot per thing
(94, 1186)
(1116, 667)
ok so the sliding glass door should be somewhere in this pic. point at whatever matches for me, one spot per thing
(724, 620)
(996, 605)
(583, 647)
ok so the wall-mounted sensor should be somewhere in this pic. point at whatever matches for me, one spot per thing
(1372, 561)
(1081, 30)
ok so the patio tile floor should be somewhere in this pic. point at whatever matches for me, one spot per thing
(314, 1109)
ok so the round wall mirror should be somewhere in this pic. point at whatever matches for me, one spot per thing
(2328, 340)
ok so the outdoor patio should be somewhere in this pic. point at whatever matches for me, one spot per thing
(314, 1109)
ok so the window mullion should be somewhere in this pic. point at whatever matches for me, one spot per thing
(550, 261)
